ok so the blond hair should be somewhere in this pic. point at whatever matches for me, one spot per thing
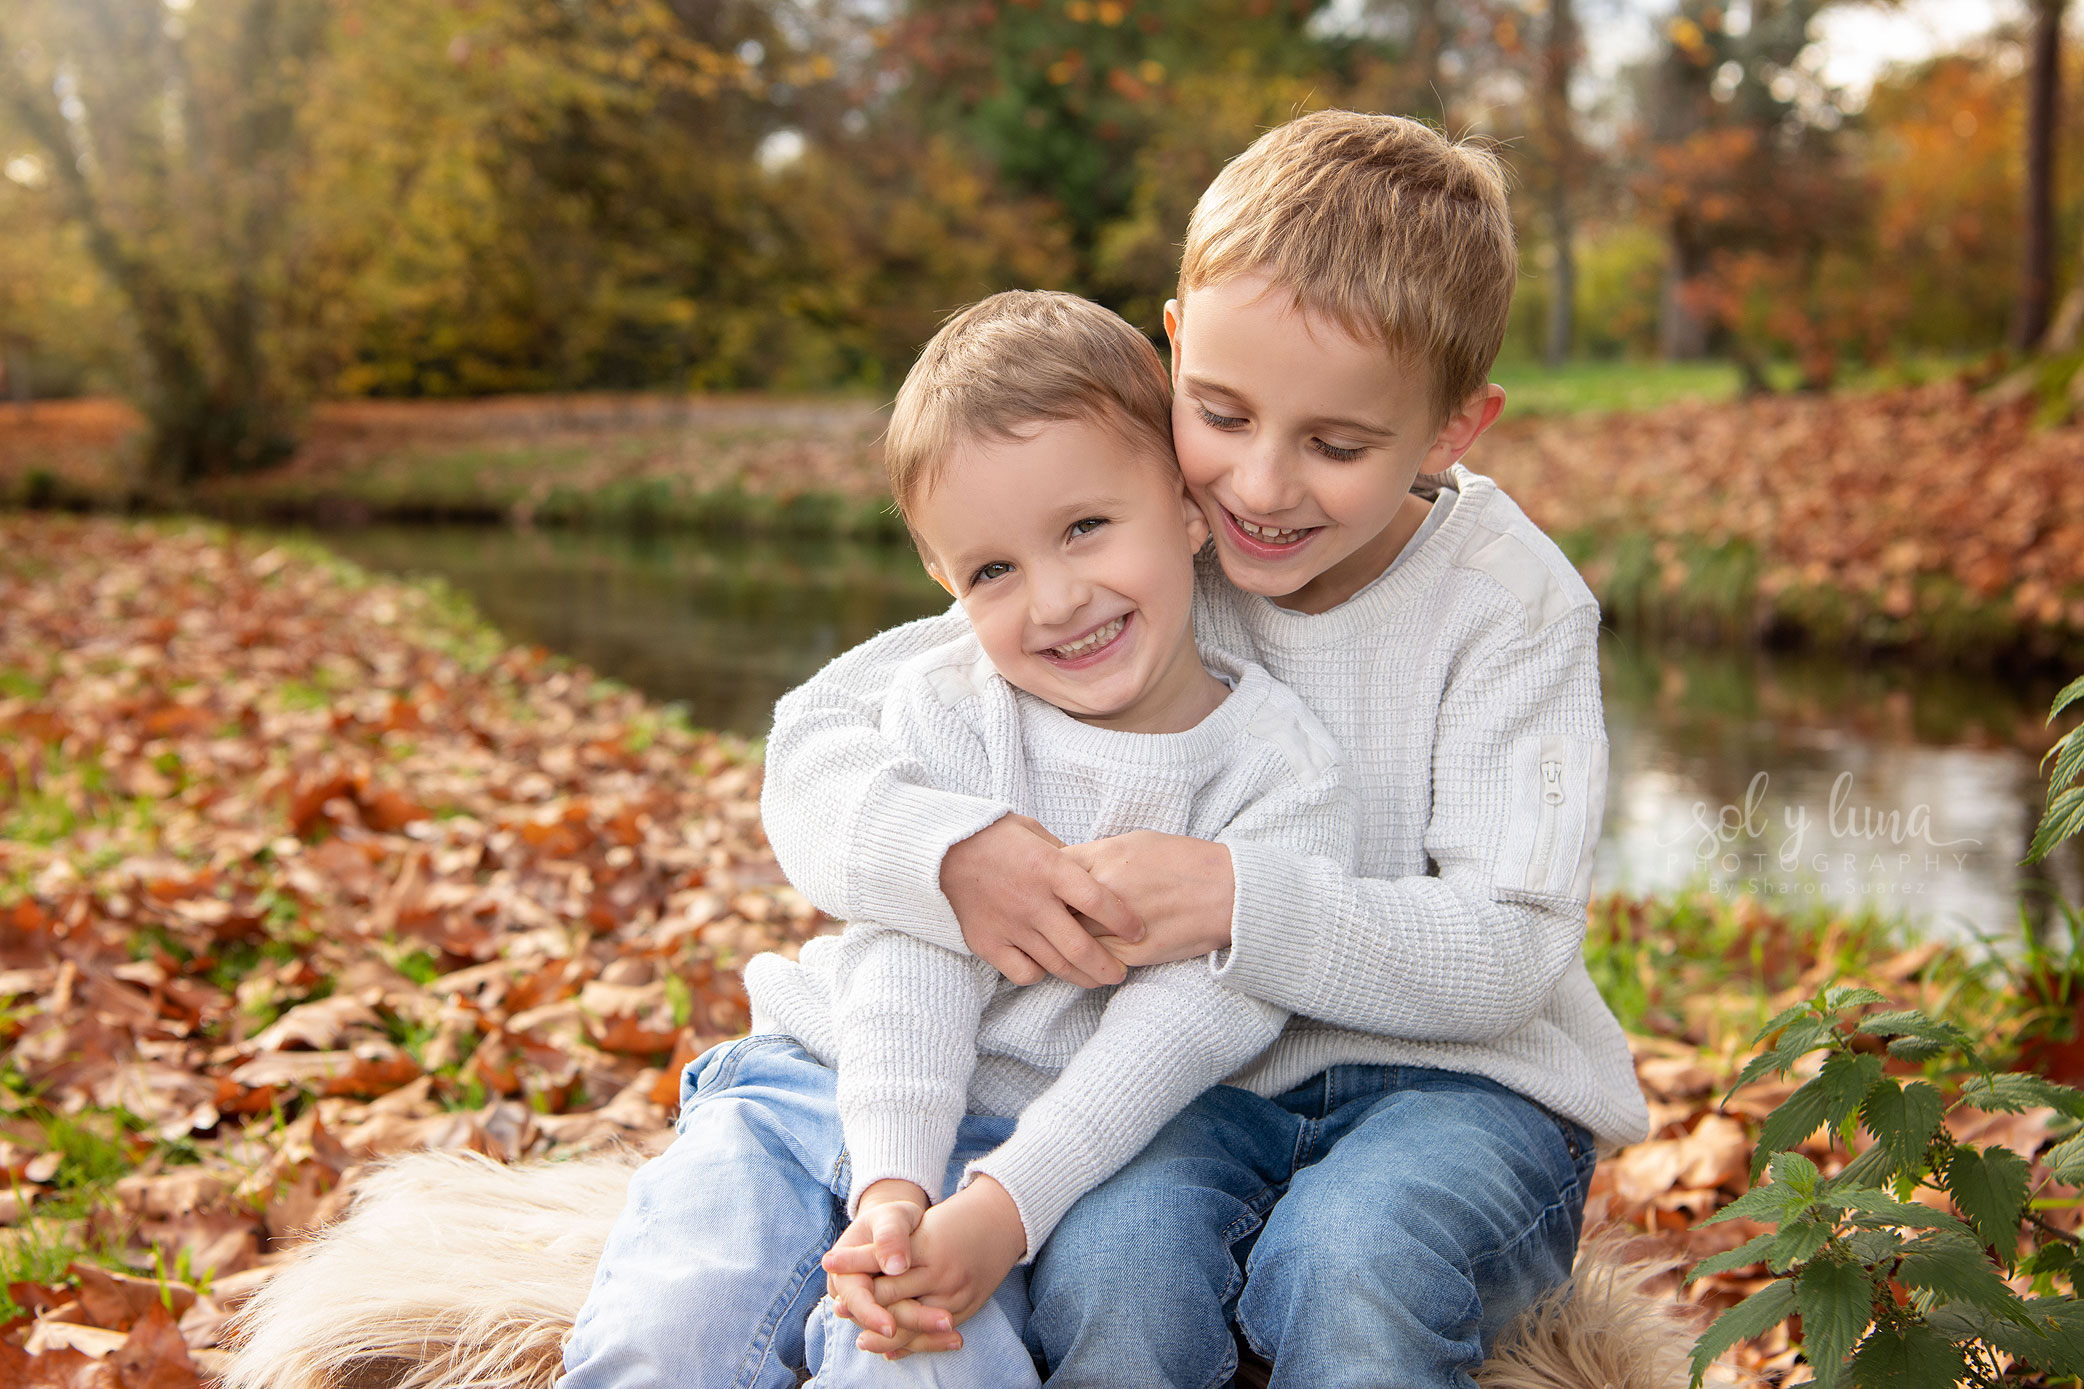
(1017, 359)
(1382, 224)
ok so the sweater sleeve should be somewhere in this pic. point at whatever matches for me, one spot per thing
(906, 1022)
(1168, 1033)
(1469, 955)
(1171, 1031)
(854, 819)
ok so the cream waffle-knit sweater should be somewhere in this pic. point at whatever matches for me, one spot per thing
(921, 1035)
(1462, 687)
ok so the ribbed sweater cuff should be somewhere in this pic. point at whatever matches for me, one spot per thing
(881, 1145)
(1044, 1184)
(897, 872)
(1277, 932)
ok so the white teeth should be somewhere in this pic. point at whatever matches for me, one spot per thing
(1091, 641)
(1269, 534)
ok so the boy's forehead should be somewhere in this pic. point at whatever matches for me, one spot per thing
(1249, 336)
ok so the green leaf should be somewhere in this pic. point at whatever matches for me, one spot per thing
(1873, 1247)
(1903, 1119)
(2069, 695)
(1798, 1240)
(2014, 1092)
(1989, 1188)
(1779, 1020)
(1907, 1357)
(1847, 1076)
(1750, 1252)
(1909, 1022)
(1798, 1116)
(1869, 1170)
(1914, 1049)
(1957, 1270)
(1836, 1300)
(1961, 1322)
(1878, 1210)
(1768, 1204)
(1801, 1032)
(2066, 1161)
(1842, 997)
(2065, 817)
(2068, 757)
(2061, 1321)
(1766, 1308)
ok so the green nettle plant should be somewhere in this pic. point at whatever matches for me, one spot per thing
(1891, 1290)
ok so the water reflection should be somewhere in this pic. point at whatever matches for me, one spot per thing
(1913, 792)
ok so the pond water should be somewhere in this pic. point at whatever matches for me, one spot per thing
(1795, 779)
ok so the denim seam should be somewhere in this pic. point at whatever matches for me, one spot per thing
(1561, 1205)
(762, 1348)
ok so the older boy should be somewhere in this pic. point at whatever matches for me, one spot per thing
(1030, 453)
(1404, 1170)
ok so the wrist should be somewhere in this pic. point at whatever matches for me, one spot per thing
(891, 1189)
(991, 1209)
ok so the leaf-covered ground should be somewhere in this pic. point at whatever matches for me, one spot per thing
(299, 869)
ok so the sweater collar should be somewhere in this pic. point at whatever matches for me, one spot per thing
(1408, 578)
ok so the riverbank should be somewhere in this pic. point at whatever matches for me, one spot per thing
(1923, 521)
(300, 868)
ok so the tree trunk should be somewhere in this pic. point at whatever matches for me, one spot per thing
(1682, 332)
(2037, 259)
(1559, 61)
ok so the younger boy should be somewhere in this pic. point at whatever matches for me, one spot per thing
(1404, 1170)
(1029, 452)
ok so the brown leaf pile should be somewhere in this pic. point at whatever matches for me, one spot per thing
(1872, 496)
(303, 870)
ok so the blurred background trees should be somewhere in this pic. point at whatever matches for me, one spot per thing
(227, 208)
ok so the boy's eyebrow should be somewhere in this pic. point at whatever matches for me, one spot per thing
(1354, 422)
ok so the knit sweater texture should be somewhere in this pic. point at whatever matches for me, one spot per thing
(1462, 687)
(921, 1034)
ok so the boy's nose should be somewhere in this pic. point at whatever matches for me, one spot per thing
(1264, 484)
(1055, 595)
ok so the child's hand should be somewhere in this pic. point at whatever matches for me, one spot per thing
(1182, 889)
(1015, 893)
(879, 1241)
(961, 1252)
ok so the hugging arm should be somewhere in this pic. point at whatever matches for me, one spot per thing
(1469, 955)
(862, 830)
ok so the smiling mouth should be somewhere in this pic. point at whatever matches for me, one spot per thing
(1091, 642)
(1269, 536)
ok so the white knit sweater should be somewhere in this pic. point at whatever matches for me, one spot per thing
(1462, 687)
(921, 1034)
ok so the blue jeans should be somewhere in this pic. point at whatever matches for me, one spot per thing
(1375, 1225)
(710, 1277)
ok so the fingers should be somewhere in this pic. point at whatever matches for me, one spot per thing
(1009, 961)
(1038, 829)
(891, 1227)
(1081, 892)
(852, 1258)
(1081, 962)
(855, 1298)
(896, 1348)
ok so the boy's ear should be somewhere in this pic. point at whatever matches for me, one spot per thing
(933, 571)
(1172, 335)
(1465, 427)
(1197, 520)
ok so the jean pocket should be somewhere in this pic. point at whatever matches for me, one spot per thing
(717, 1068)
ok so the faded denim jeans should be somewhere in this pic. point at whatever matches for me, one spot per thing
(1376, 1225)
(710, 1278)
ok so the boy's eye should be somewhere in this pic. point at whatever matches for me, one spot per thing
(1216, 421)
(1334, 452)
(1088, 525)
(996, 569)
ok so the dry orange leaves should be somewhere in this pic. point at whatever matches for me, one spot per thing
(300, 870)
(1875, 495)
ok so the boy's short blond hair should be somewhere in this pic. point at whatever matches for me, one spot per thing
(1382, 224)
(1017, 359)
